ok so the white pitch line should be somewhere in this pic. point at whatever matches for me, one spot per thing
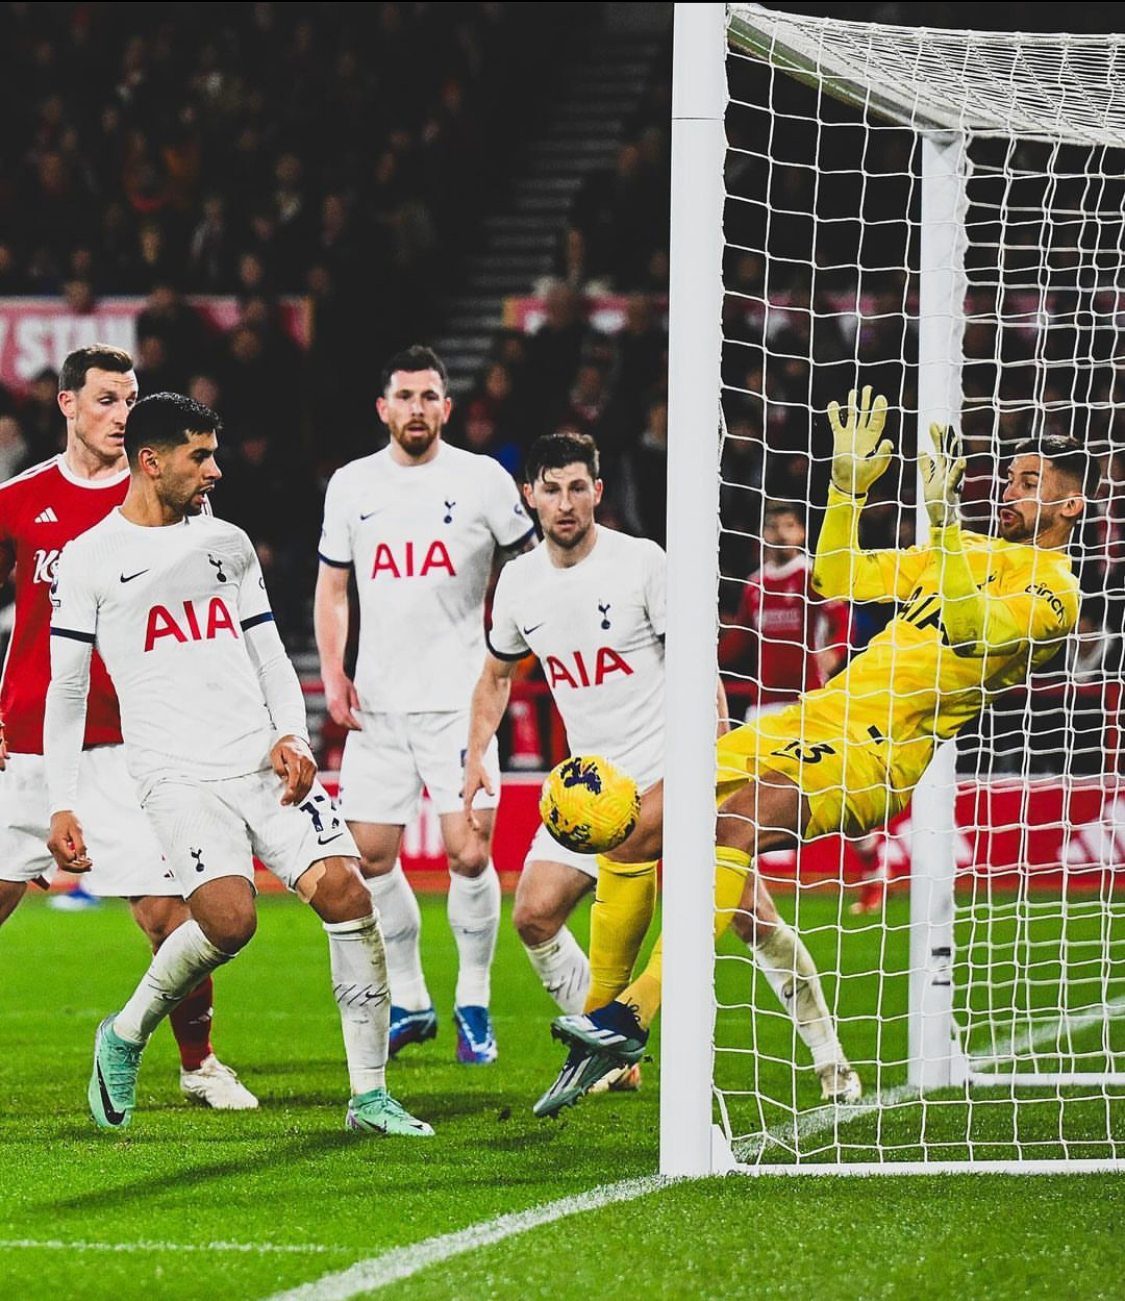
(251, 1248)
(404, 1262)
(1025, 1040)
(807, 1124)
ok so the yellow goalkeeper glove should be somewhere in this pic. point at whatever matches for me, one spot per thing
(941, 476)
(858, 455)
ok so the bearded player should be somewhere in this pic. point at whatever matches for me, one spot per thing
(216, 741)
(41, 511)
(420, 525)
(590, 604)
(979, 614)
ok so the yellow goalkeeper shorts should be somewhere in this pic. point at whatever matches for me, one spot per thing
(853, 777)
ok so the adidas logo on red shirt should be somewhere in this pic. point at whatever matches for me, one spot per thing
(47, 516)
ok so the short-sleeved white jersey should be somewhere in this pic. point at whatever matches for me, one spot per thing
(168, 610)
(597, 628)
(421, 539)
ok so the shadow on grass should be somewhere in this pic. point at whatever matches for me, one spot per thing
(270, 1155)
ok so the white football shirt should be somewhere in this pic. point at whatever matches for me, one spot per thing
(421, 539)
(597, 629)
(169, 610)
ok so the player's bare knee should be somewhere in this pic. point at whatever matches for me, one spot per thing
(532, 925)
(750, 928)
(469, 860)
(645, 844)
(340, 894)
(156, 931)
(11, 892)
(378, 866)
(231, 932)
(158, 917)
(756, 919)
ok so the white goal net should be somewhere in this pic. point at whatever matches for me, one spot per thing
(938, 215)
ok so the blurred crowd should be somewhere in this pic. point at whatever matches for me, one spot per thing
(289, 148)
(343, 153)
(347, 160)
(571, 375)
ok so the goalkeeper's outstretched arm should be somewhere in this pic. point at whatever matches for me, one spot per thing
(859, 456)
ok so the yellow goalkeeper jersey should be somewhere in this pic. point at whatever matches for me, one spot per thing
(913, 680)
(980, 614)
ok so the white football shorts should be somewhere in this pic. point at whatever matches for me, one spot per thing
(126, 857)
(387, 764)
(544, 848)
(211, 829)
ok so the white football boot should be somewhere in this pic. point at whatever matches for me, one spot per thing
(217, 1086)
(625, 1079)
(840, 1083)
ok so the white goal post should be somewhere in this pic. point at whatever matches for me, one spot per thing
(978, 1017)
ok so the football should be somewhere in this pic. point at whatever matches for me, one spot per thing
(589, 805)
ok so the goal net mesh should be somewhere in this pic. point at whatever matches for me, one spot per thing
(824, 240)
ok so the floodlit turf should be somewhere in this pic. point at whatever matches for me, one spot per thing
(289, 1176)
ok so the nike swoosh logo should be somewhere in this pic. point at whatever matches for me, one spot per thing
(114, 1116)
(370, 513)
(528, 631)
(327, 840)
(128, 578)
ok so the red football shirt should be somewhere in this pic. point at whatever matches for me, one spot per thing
(782, 623)
(41, 510)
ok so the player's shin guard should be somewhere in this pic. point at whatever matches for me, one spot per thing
(793, 977)
(177, 967)
(563, 968)
(401, 923)
(732, 867)
(359, 982)
(473, 909)
(643, 995)
(619, 920)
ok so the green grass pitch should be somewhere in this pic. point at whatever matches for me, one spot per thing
(306, 1198)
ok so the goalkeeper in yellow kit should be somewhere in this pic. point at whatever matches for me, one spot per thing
(978, 615)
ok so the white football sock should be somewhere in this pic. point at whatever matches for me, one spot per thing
(402, 925)
(359, 982)
(474, 918)
(792, 975)
(181, 962)
(563, 968)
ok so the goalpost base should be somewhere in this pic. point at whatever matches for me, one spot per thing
(1039, 1079)
(871, 1168)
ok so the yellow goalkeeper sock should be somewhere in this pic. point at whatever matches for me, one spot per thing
(619, 920)
(643, 995)
(731, 869)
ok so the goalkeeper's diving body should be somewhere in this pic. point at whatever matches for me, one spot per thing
(979, 614)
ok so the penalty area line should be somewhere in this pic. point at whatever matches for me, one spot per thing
(404, 1262)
